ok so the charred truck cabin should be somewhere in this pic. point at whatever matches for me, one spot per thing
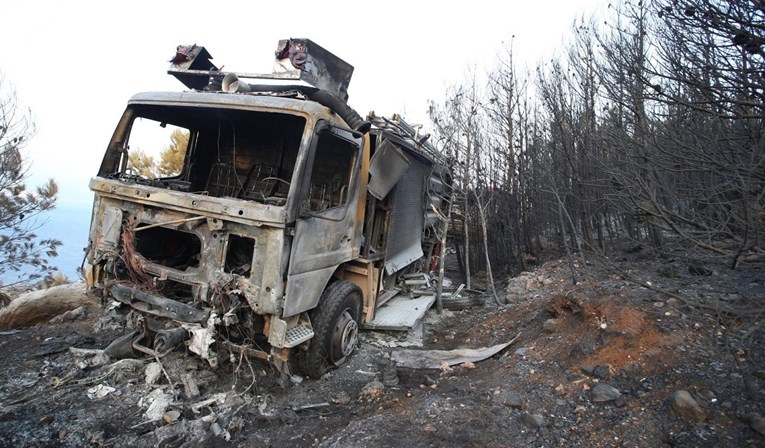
(278, 222)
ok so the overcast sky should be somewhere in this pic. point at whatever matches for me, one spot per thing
(76, 63)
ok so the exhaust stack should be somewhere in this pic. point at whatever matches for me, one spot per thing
(232, 84)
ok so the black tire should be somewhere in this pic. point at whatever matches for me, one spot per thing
(336, 324)
(462, 302)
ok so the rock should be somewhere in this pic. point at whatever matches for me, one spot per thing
(99, 391)
(523, 351)
(588, 369)
(757, 422)
(88, 357)
(550, 325)
(69, 316)
(532, 420)
(682, 404)
(45, 420)
(468, 365)
(372, 391)
(5, 299)
(673, 302)
(585, 348)
(158, 403)
(560, 390)
(430, 428)
(341, 398)
(124, 370)
(171, 417)
(602, 393)
(40, 306)
(601, 371)
(512, 400)
(759, 426)
(190, 385)
(153, 372)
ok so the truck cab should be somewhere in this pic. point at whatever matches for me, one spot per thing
(274, 224)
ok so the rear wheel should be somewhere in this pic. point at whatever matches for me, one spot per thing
(336, 324)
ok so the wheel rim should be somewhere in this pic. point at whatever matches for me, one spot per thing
(345, 337)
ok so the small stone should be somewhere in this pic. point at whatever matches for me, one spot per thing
(430, 428)
(341, 398)
(190, 385)
(580, 409)
(45, 420)
(153, 371)
(757, 422)
(372, 391)
(85, 358)
(523, 351)
(602, 393)
(532, 420)
(159, 402)
(550, 325)
(682, 404)
(601, 371)
(512, 400)
(658, 304)
(69, 316)
(588, 369)
(99, 391)
(560, 390)
(673, 302)
(171, 417)
(468, 365)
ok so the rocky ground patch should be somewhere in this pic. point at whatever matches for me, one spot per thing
(658, 355)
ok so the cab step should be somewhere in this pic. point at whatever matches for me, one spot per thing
(400, 313)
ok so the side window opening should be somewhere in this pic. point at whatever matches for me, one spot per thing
(331, 172)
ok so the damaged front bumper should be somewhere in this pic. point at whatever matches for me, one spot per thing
(192, 264)
(158, 306)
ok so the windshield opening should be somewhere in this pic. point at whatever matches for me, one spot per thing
(221, 153)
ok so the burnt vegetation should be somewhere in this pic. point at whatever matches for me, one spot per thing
(647, 129)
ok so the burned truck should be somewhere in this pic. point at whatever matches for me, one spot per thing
(276, 224)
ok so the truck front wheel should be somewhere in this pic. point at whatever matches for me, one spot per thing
(336, 324)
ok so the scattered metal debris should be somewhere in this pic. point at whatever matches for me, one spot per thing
(434, 359)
